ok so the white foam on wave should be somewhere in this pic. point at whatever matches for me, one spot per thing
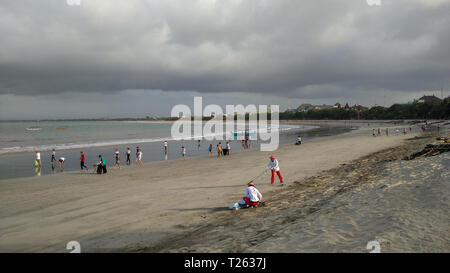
(90, 144)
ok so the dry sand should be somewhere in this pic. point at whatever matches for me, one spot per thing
(140, 207)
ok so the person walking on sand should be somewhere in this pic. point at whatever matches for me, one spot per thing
(138, 156)
(397, 131)
(275, 168)
(379, 131)
(299, 140)
(251, 198)
(183, 152)
(82, 162)
(165, 147)
(387, 132)
(373, 132)
(128, 156)
(404, 131)
(210, 149)
(198, 145)
(117, 156)
(228, 148)
(38, 158)
(219, 150)
(53, 156)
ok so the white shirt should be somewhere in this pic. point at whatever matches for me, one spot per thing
(140, 155)
(228, 146)
(253, 194)
(38, 156)
(273, 165)
(165, 143)
(128, 152)
(62, 159)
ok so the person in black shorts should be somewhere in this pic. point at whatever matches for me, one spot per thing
(128, 156)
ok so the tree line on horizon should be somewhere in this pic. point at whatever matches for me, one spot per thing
(416, 110)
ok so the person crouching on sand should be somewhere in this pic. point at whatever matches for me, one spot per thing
(275, 168)
(251, 198)
(101, 165)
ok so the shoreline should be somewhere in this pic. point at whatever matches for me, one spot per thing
(140, 207)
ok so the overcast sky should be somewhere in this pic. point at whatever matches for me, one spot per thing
(134, 58)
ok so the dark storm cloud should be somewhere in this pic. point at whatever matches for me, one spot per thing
(292, 48)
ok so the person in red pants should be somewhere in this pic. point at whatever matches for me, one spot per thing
(275, 168)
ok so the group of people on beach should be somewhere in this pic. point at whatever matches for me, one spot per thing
(396, 131)
(100, 166)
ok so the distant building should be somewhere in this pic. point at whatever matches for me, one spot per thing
(322, 107)
(337, 105)
(429, 99)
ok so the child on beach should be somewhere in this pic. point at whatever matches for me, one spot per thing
(228, 148)
(183, 152)
(210, 149)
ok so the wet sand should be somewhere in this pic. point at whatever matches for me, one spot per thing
(181, 205)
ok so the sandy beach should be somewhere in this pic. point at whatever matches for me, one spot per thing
(144, 208)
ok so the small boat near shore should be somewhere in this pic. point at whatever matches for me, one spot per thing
(33, 128)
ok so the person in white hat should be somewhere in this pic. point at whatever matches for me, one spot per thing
(251, 198)
(275, 168)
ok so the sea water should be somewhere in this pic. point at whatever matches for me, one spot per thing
(94, 138)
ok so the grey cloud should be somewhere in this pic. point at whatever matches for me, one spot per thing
(313, 49)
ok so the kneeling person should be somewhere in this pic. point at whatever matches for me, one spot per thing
(251, 198)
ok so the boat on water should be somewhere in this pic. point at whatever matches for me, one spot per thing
(61, 128)
(33, 128)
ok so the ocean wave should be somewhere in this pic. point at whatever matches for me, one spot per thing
(94, 143)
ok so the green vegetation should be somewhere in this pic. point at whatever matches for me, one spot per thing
(427, 110)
